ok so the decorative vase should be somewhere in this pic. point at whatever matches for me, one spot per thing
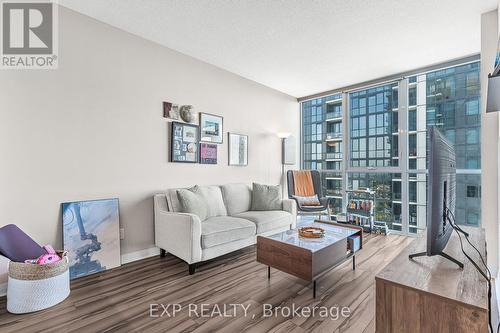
(186, 113)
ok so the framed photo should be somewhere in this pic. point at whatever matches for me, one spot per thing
(211, 128)
(208, 153)
(238, 149)
(91, 235)
(171, 111)
(184, 143)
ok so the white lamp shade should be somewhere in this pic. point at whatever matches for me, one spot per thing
(288, 150)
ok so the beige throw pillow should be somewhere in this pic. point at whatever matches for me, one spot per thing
(193, 203)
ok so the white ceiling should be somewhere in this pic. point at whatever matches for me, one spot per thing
(302, 47)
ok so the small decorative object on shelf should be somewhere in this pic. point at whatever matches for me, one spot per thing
(180, 113)
(186, 113)
(311, 232)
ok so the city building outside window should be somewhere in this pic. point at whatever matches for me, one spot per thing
(374, 121)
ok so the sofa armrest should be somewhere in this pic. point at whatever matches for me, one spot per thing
(289, 205)
(179, 233)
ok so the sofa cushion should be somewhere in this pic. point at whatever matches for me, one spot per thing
(213, 197)
(225, 229)
(193, 202)
(267, 220)
(173, 200)
(266, 197)
(237, 197)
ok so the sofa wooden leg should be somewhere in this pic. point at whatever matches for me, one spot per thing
(163, 253)
(192, 269)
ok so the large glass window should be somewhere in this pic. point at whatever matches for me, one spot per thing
(373, 128)
(452, 104)
(448, 98)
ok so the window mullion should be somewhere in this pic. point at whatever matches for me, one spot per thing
(346, 159)
(403, 151)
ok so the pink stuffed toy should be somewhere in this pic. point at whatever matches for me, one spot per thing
(49, 258)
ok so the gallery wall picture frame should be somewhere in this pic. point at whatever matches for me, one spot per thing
(184, 143)
(208, 153)
(91, 235)
(238, 149)
(211, 128)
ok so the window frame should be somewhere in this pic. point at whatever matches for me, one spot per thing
(403, 82)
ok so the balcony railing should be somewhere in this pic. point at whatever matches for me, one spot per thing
(334, 192)
(334, 135)
(333, 156)
(333, 115)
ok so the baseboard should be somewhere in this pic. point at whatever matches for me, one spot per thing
(3, 289)
(138, 255)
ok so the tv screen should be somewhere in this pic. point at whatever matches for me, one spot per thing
(441, 189)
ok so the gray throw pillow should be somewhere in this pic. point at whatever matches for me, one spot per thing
(266, 197)
(193, 203)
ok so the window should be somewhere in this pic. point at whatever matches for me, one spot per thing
(472, 136)
(373, 127)
(412, 96)
(472, 191)
(472, 107)
(446, 98)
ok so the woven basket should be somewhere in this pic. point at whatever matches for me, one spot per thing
(36, 287)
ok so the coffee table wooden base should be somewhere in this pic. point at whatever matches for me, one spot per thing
(314, 281)
(303, 260)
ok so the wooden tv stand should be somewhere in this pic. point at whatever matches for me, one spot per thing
(432, 294)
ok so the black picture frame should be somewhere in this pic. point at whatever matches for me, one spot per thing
(179, 146)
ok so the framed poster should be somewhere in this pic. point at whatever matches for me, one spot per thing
(184, 143)
(208, 153)
(238, 149)
(211, 128)
(91, 235)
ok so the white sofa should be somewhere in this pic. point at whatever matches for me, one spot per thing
(187, 237)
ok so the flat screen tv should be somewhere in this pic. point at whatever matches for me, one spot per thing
(441, 188)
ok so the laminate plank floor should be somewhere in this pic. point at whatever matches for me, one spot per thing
(216, 298)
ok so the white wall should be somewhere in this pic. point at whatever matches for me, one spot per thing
(489, 142)
(94, 129)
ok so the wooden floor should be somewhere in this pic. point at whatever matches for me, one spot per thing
(119, 300)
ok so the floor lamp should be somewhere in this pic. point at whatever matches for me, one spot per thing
(287, 155)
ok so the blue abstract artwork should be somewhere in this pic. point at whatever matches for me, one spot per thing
(91, 235)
